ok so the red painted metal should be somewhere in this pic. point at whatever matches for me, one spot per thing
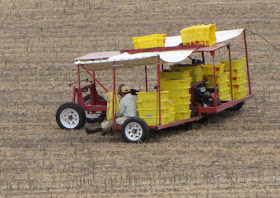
(211, 48)
(223, 106)
(247, 63)
(74, 95)
(158, 89)
(215, 83)
(114, 95)
(94, 78)
(146, 78)
(230, 72)
(79, 77)
(203, 57)
(84, 80)
(116, 127)
(162, 49)
(98, 56)
(98, 105)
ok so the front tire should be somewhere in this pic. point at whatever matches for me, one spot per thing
(70, 116)
(135, 130)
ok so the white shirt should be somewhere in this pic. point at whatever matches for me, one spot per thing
(127, 107)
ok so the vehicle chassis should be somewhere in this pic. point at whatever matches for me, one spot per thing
(98, 105)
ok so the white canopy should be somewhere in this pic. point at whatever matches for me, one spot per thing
(221, 36)
(107, 60)
(139, 59)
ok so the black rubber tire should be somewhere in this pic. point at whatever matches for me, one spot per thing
(236, 107)
(143, 126)
(218, 101)
(76, 108)
(101, 117)
(193, 113)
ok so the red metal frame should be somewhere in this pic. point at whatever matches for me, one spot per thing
(100, 105)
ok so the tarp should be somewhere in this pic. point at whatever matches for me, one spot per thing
(221, 36)
(139, 59)
(107, 60)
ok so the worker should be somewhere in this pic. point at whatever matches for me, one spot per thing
(127, 108)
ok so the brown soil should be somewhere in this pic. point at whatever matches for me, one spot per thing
(233, 154)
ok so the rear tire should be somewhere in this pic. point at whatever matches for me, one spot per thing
(236, 107)
(135, 130)
(94, 117)
(70, 116)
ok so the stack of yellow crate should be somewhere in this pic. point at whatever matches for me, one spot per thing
(195, 71)
(238, 77)
(199, 34)
(149, 41)
(222, 80)
(178, 84)
(148, 108)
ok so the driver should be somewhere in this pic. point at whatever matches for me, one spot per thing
(127, 108)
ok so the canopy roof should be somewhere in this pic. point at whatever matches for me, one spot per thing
(172, 53)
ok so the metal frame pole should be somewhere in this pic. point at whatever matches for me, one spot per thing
(247, 62)
(146, 78)
(94, 78)
(114, 95)
(215, 83)
(230, 71)
(158, 89)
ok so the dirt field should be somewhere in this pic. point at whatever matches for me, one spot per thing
(234, 154)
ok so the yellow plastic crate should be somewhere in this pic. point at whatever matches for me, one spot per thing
(179, 92)
(199, 34)
(182, 107)
(240, 94)
(194, 69)
(238, 80)
(221, 86)
(226, 98)
(141, 105)
(239, 87)
(197, 77)
(152, 113)
(180, 68)
(237, 63)
(150, 41)
(152, 96)
(175, 75)
(175, 84)
(209, 71)
(238, 72)
(197, 69)
(183, 116)
(180, 100)
(155, 121)
(224, 93)
(171, 117)
(224, 77)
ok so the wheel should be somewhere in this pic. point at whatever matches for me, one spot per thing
(70, 116)
(193, 113)
(218, 101)
(98, 116)
(236, 107)
(135, 130)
